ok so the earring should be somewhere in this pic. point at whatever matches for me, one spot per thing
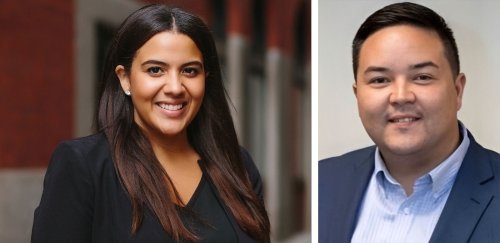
(127, 92)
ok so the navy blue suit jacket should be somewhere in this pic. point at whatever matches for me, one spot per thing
(471, 213)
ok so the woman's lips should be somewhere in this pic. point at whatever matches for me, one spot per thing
(171, 107)
(172, 110)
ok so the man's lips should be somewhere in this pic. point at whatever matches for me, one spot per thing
(403, 119)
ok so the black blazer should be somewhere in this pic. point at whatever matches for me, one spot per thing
(471, 213)
(83, 200)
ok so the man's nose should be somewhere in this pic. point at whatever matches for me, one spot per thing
(402, 92)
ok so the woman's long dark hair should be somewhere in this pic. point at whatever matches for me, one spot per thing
(211, 133)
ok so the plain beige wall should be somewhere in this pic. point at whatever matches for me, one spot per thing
(476, 25)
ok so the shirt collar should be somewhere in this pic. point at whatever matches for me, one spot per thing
(441, 176)
(446, 172)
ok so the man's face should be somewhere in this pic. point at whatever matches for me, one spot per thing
(407, 96)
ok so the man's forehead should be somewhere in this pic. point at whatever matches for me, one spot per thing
(405, 39)
(402, 47)
(401, 30)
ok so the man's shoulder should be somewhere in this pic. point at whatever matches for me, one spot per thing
(493, 155)
(476, 151)
(347, 159)
(342, 181)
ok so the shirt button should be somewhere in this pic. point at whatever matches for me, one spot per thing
(406, 211)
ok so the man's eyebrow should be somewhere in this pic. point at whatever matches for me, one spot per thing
(423, 64)
(413, 66)
(376, 69)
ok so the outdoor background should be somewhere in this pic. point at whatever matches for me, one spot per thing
(476, 27)
(51, 52)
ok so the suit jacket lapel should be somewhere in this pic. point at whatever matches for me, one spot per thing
(356, 181)
(468, 199)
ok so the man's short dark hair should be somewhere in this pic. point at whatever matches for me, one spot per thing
(407, 14)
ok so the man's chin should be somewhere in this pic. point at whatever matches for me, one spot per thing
(402, 148)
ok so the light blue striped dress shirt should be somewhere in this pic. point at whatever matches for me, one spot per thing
(388, 215)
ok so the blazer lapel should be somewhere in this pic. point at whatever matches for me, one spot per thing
(468, 199)
(356, 181)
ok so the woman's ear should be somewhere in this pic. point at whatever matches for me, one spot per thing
(122, 75)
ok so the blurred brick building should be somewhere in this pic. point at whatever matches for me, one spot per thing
(51, 52)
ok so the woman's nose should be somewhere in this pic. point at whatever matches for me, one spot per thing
(173, 84)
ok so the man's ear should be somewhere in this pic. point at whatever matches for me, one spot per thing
(459, 87)
(355, 89)
(122, 75)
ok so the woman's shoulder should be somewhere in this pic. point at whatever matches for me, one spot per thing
(87, 144)
(252, 171)
(72, 187)
(95, 144)
(248, 161)
(91, 152)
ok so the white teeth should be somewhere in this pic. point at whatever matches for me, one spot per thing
(407, 119)
(171, 107)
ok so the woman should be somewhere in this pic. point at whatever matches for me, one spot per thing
(165, 165)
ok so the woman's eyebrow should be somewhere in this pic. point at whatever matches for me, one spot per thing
(156, 62)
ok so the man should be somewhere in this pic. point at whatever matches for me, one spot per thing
(426, 179)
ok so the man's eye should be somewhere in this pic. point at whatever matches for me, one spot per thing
(154, 70)
(423, 77)
(379, 81)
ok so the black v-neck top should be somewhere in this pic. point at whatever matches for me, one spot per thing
(205, 215)
(84, 201)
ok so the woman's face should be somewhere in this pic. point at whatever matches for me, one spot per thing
(167, 84)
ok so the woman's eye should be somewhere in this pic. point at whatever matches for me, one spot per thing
(154, 70)
(190, 71)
